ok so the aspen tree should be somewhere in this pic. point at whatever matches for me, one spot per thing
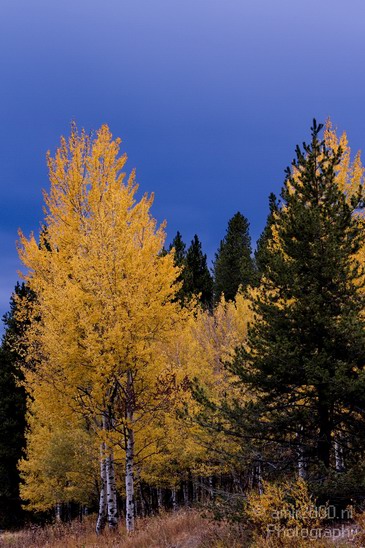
(105, 302)
(191, 451)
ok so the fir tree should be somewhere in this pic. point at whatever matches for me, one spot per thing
(197, 278)
(305, 354)
(233, 266)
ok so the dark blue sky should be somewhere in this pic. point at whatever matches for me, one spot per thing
(210, 98)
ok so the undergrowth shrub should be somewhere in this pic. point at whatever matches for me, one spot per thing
(285, 514)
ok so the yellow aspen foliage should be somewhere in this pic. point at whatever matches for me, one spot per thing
(105, 294)
(350, 173)
(282, 512)
(198, 354)
(62, 457)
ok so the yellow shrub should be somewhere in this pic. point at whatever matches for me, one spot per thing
(285, 514)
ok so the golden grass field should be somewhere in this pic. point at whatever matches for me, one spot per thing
(183, 529)
(186, 528)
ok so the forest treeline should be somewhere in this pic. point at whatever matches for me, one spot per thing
(133, 378)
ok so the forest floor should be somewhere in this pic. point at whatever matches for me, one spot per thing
(183, 529)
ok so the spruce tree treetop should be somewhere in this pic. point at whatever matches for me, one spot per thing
(233, 266)
(261, 252)
(194, 276)
(180, 260)
(180, 250)
(197, 278)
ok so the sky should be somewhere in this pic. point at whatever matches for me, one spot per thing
(209, 97)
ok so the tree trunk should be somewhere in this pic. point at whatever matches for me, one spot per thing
(58, 512)
(260, 485)
(185, 487)
(83, 511)
(102, 516)
(129, 457)
(111, 492)
(339, 460)
(68, 512)
(325, 431)
(302, 472)
(211, 487)
(174, 499)
(146, 499)
(194, 490)
(159, 498)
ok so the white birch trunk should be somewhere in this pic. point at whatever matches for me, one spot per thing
(174, 499)
(302, 472)
(111, 492)
(159, 498)
(129, 457)
(260, 485)
(58, 512)
(301, 468)
(339, 460)
(102, 515)
(110, 488)
(251, 477)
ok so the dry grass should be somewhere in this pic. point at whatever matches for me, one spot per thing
(184, 529)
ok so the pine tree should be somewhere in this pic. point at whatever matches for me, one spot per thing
(305, 354)
(12, 415)
(261, 253)
(197, 278)
(233, 266)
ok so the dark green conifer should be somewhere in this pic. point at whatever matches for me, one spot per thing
(261, 253)
(180, 260)
(180, 250)
(233, 266)
(197, 278)
(12, 415)
(305, 357)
